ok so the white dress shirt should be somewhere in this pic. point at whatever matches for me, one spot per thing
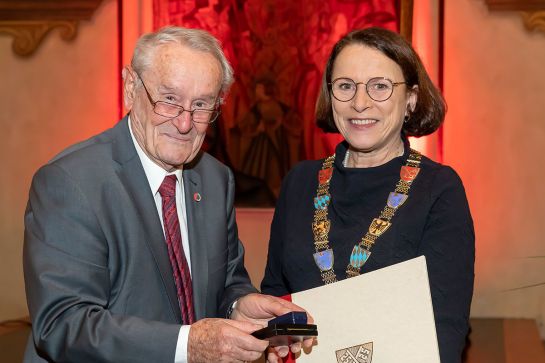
(155, 175)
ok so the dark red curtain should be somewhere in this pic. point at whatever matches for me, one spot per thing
(278, 49)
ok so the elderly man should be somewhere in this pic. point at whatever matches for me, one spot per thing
(131, 249)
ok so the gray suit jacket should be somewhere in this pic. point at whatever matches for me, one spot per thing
(98, 279)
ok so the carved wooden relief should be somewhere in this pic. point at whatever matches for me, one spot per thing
(534, 21)
(532, 11)
(28, 22)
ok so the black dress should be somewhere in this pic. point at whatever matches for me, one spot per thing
(435, 221)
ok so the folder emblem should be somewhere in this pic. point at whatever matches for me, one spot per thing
(362, 353)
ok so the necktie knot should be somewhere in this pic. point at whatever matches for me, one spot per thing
(168, 186)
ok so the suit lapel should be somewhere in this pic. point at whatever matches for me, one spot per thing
(133, 177)
(197, 240)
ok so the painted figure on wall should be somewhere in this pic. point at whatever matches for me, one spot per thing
(266, 141)
(277, 48)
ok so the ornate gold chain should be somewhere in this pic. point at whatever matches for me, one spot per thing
(321, 225)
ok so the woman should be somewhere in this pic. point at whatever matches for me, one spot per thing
(376, 202)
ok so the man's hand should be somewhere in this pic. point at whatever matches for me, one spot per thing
(221, 340)
(259, 309)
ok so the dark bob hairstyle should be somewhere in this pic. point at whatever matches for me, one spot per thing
(430, 108)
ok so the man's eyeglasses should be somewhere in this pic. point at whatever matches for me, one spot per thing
(171, 110)
(379, 88)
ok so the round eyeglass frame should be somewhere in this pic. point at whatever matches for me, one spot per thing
(214, 113)
(370, 81)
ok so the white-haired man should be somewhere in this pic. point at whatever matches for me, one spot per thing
(131, 250)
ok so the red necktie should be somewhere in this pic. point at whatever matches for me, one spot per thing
(176, 255)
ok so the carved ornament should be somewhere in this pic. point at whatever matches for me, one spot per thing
(534, 21)
(29, 22)
(532, 11)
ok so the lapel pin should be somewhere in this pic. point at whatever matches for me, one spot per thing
(197, 197)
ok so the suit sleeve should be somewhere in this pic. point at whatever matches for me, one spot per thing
(237, 282)
(449, 246)
(68, 283)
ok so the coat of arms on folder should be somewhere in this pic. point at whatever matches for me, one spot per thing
(358, 354)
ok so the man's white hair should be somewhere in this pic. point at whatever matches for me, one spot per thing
(193, 38)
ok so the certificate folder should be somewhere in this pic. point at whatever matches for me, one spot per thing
(384, 316)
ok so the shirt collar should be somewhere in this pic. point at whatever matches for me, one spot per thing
(154, 173)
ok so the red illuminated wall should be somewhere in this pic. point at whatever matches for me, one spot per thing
(278, 49)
